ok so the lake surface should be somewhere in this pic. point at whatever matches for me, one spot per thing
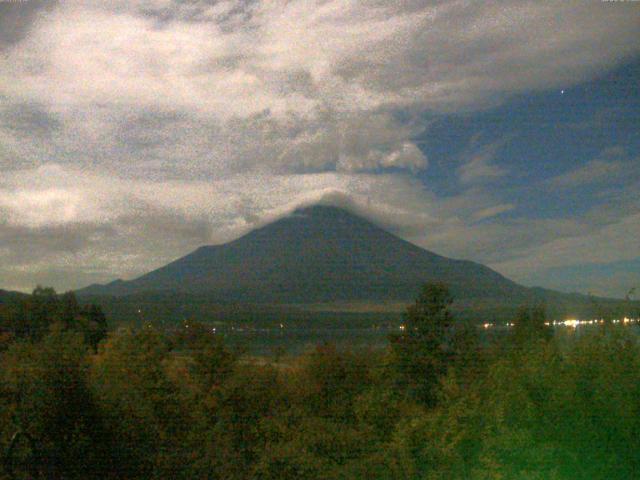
(296, 340)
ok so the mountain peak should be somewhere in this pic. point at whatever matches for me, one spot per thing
(324, 254)
(320, 210)
(318, 253)
(322, 214)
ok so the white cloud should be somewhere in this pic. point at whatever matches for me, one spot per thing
(478, 166)
(616, 241)
(493, 211)
(594, 171)
(133, 131)
(52, 217)
(586, 279)
(478, 170)
(296, 56)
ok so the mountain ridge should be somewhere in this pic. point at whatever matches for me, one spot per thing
(314, 247)
(324, 258)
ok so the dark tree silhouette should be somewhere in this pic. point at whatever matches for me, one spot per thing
(421, 353)
(530, 324)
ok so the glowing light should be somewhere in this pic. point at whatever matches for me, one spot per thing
(570, 322)
(402, 327)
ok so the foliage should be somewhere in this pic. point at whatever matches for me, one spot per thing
(420, 352)
(439, 403)
(32, 317)
(46, 393)
(530, 325)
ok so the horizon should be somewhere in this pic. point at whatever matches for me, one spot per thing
(132, 133)
(331, 202)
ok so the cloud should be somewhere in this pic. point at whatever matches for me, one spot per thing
(479, 165)
(297, 56)
(493, 211)
(479, 169)
(592, 172)
(55, 218)
(18, 18)
(131, 132)
(610, 279)
(610, 243)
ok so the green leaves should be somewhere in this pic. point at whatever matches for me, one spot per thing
(420, 352)
(47, 395)
(34, 316)
(438, 404)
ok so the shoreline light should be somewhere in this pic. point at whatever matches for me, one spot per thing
(570, 322)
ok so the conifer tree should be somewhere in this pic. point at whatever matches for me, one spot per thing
(421, 353)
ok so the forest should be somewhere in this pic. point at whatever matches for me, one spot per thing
(81, 400)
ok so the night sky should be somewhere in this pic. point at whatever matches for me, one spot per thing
(507, 133)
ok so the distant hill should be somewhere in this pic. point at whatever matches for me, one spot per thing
(324, 257)
(8, 296)
(317, 254)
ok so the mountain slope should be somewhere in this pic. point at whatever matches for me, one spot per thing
(317, 254)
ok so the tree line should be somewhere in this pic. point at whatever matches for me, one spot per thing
(80, 402)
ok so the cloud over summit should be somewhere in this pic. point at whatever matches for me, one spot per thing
(211, 113)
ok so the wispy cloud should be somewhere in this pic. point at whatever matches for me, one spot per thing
(592, 172)
(493, 211)
(125, 122)
(479, 162)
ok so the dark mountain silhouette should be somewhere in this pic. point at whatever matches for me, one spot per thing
(317, 254)
(325, 255)
(8, 296)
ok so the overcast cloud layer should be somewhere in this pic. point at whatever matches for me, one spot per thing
(133, 132)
